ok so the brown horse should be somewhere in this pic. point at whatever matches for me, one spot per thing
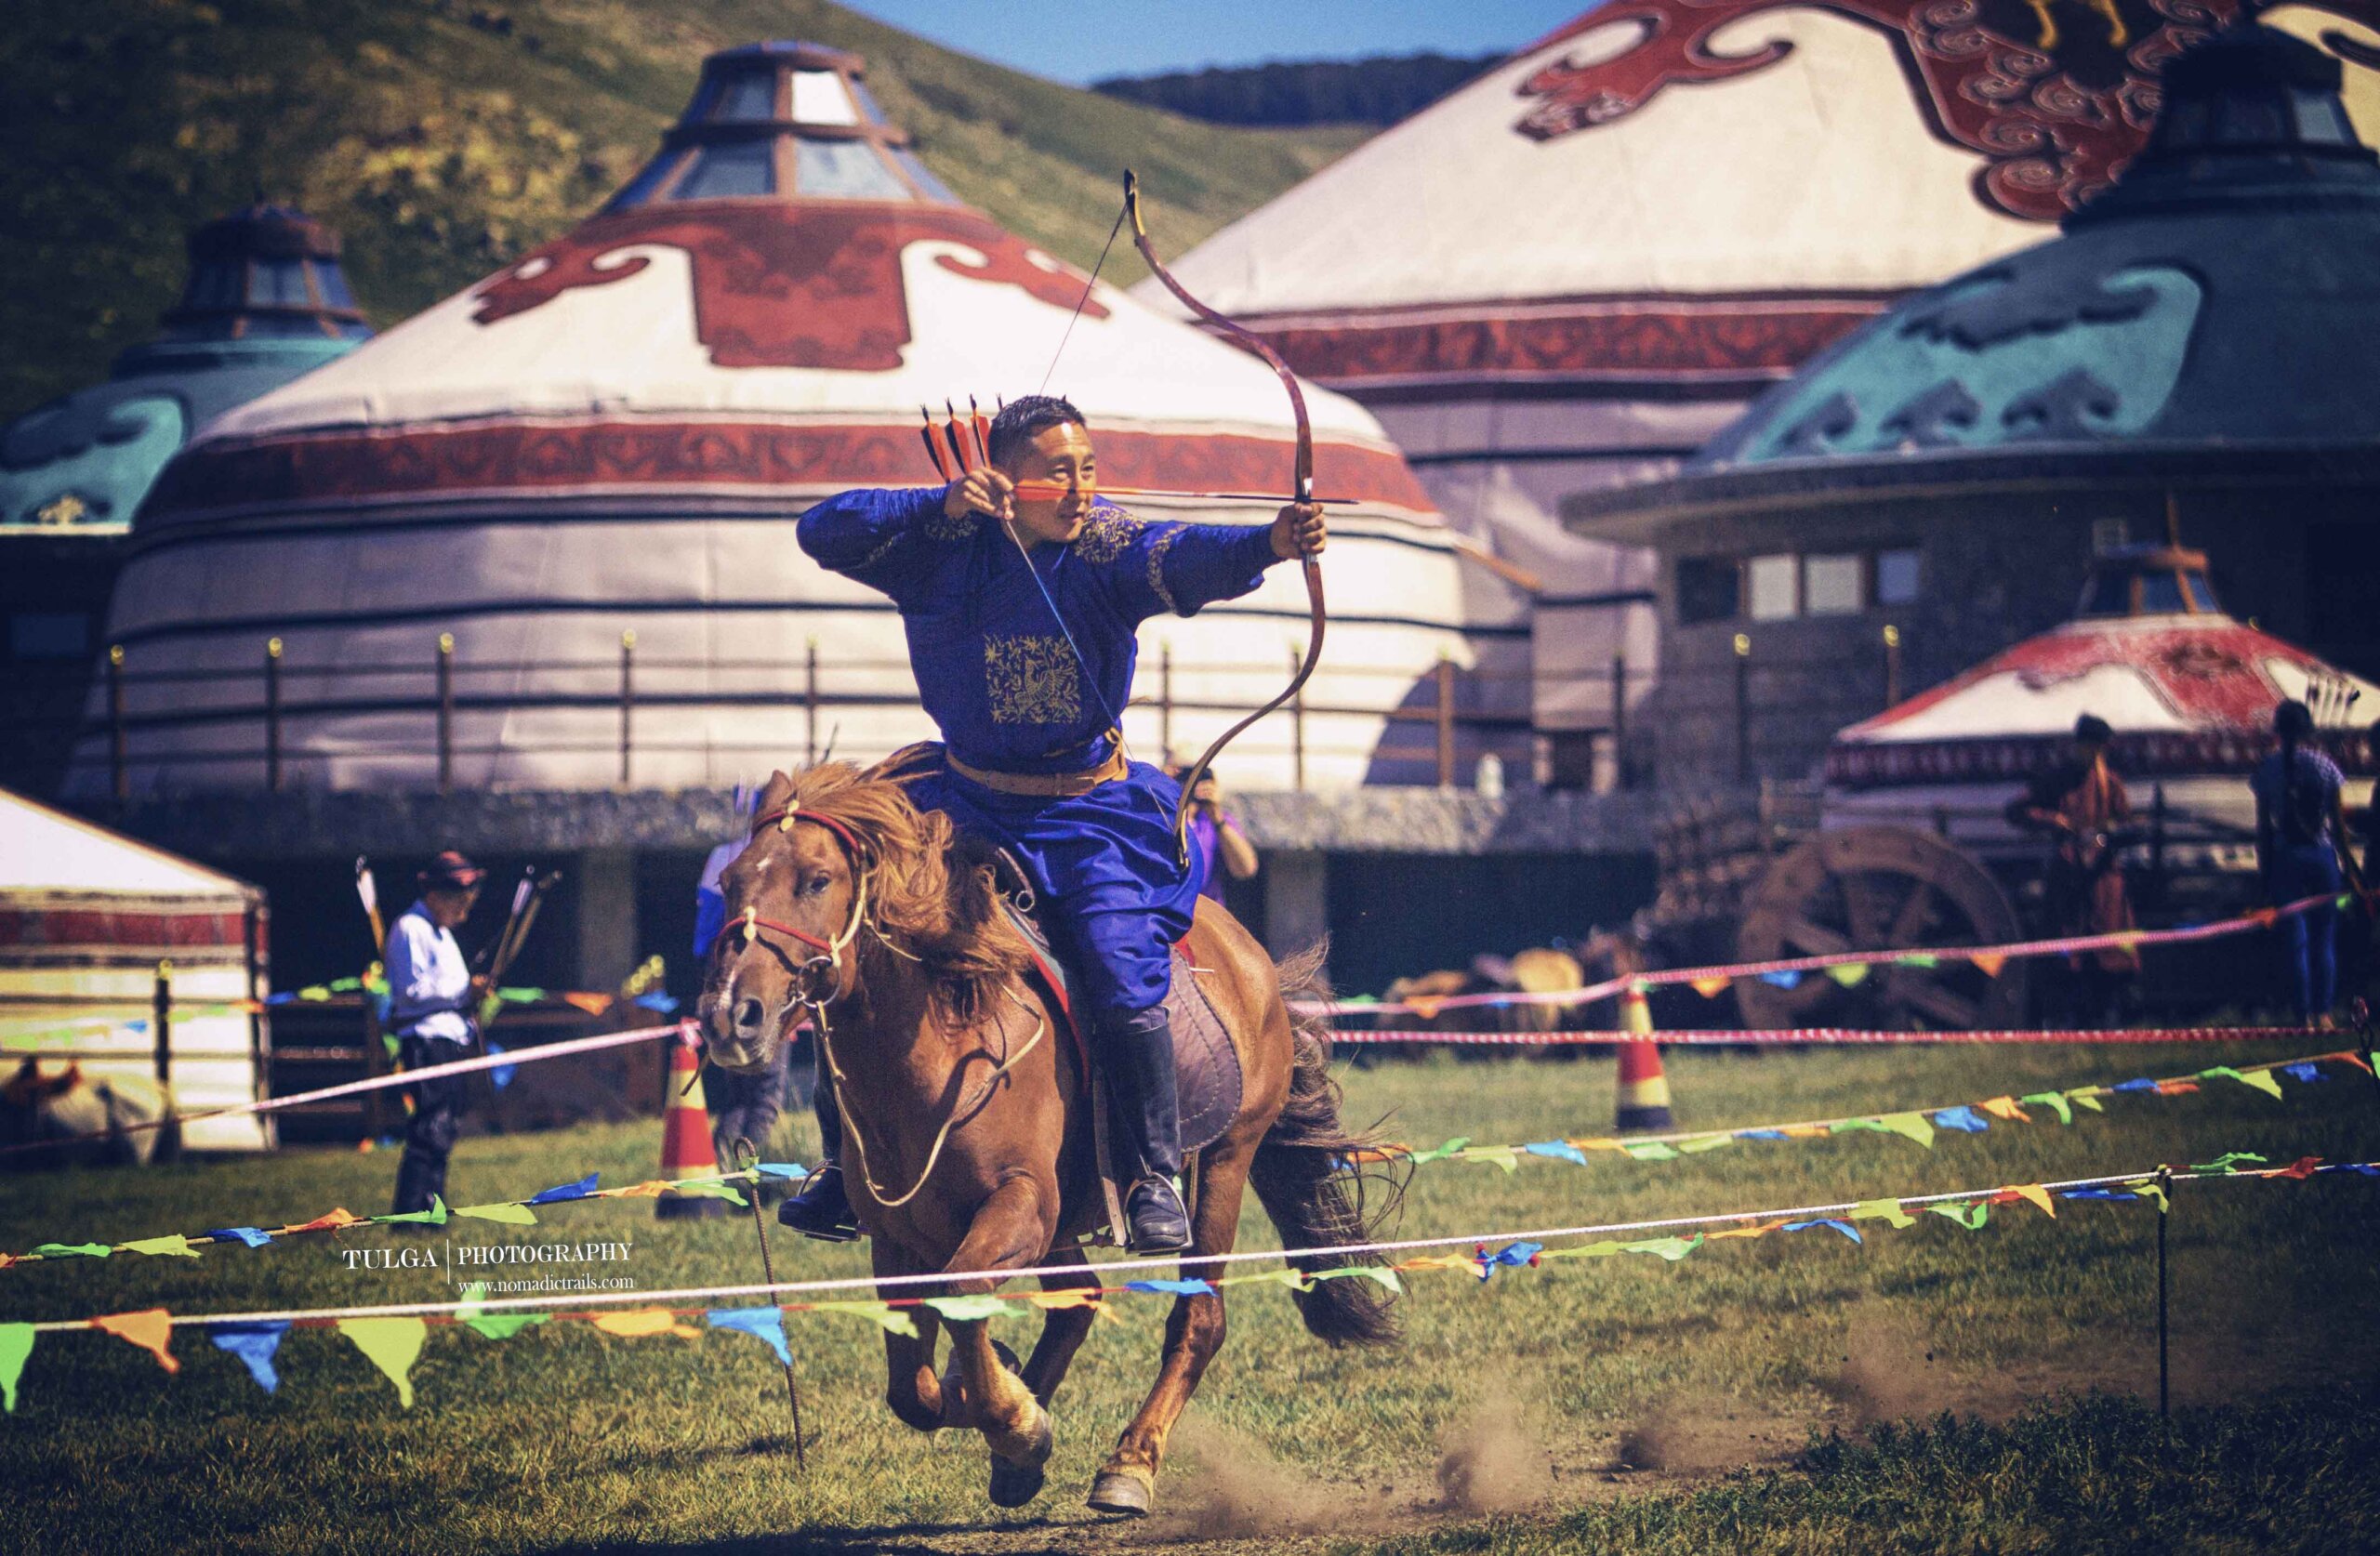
(967, 1117)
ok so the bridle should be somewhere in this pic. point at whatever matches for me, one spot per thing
(815, 998)
(830, 955)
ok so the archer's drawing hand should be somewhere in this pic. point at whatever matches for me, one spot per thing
(1299, 531)
(984, 491)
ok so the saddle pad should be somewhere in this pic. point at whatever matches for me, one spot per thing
(1205, 1066)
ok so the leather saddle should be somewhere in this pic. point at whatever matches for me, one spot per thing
(1208, 1078)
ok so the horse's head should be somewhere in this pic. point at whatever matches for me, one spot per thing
(795, 904)
(840, 867)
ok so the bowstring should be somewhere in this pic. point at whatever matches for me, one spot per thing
(1082, 302)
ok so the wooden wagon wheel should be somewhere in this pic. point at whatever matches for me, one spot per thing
(1870, 888)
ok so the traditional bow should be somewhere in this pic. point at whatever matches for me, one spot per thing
(1316, 609)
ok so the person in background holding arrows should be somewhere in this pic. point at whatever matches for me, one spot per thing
(1021, 590)
(431, 993)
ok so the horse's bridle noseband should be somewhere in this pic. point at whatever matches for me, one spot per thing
(831, 959)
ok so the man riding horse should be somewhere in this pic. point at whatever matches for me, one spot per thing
(1020, 590)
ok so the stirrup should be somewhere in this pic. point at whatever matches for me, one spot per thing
(1155, 1221)
(822, 1209)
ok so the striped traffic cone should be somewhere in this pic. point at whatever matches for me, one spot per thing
(1644, 1091)
(685, 1137)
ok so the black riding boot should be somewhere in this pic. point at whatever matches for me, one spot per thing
(822, 1209)
(1137, 1050)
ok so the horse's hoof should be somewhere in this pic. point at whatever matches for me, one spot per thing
(1015, 1484)
(1122, 1493)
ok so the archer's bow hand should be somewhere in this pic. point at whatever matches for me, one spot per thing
(1299, 531)
(983, 491)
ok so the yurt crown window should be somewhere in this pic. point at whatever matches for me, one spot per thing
(844, 170)
(867, 101)
(277, 284)
(2148, 581)
(819, 98)
(331, 282)
(738, 169)
(643, 187)
(934, 188)
(214, 287)
(2321, 118)
(749, 99)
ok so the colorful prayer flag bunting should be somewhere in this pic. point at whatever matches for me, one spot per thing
(390, 1344)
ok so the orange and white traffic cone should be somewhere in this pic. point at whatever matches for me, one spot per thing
(1644, 1090)
(685, 1137)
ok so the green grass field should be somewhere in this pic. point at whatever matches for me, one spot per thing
(1740, 1399)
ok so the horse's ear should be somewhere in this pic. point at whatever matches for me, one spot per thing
(773, 794)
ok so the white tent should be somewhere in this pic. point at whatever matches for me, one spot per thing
(1576, 270)
(90, 922)
(612, 435)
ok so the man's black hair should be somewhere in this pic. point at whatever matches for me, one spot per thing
(2093, 728)
(2293, 721)
(1021, 420)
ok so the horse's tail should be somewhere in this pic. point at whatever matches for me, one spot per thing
(1314, 1196)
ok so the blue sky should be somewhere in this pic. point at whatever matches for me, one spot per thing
(1087, 39)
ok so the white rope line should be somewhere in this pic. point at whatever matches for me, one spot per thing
(453, 1067)
(695, 1296)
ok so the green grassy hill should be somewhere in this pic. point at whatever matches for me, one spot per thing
(443, 137)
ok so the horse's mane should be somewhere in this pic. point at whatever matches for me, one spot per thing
(931, 891)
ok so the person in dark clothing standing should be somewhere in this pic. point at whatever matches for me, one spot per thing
(2081, 804)
(2300, 833)
(431, 994)
(742, 1107)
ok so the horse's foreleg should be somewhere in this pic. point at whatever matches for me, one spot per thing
(911, 1387)
(1194, 1332)
(1062, 1329)
(1011, 1229)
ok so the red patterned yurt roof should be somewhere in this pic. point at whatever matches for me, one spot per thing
(2187, 689)
(1710, 190)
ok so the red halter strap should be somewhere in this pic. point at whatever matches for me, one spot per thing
(783, 818)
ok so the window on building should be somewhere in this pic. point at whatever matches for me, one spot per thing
(1831, 585)
(741, 169)
(935, 189)
(1709, 588)
(640, 188)
(49, 634)
(1896, 576)
(215, 285)
(331, 282)
(1773, 583)
(819, 98)
(845, 170)
(748, 98)
(277, 284)
(2161, 594)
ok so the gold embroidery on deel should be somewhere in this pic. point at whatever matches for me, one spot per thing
(1107, 533)
(941, 526)
(1157, 549)
(1031, 680)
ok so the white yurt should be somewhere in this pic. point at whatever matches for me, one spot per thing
(1576, 270)
(579, 476)
(119, 960)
